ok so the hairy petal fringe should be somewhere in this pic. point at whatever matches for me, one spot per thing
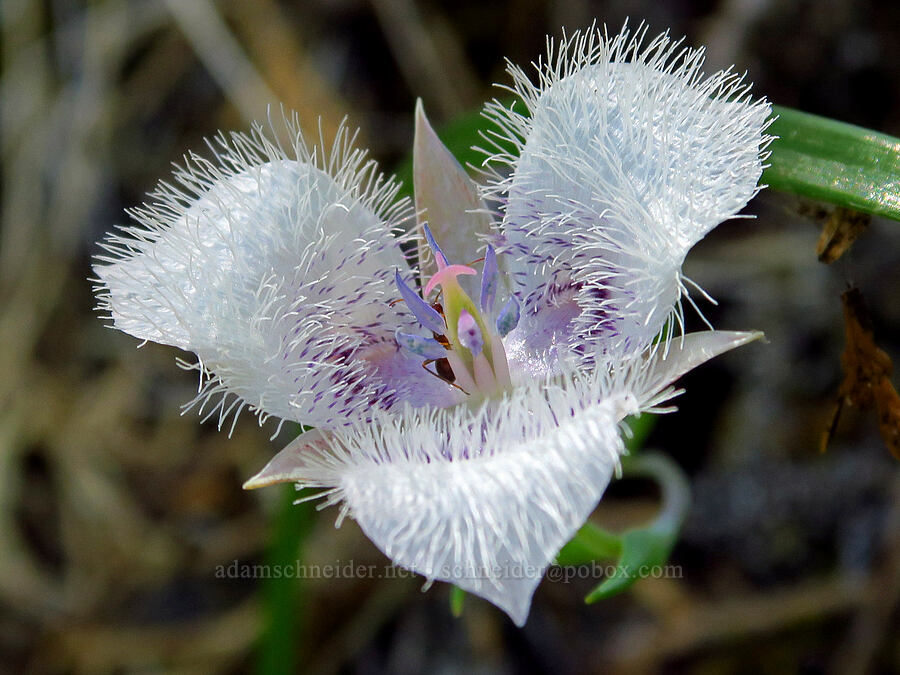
(483, 498)
(626, 156)
(275, 266)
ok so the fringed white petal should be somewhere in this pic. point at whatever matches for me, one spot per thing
(627, 156)
(275, 266)
(541, 344)
(481, 498)
(485, 498)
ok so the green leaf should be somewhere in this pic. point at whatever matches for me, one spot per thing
(590, 543)
(642, 550)
(645, 548)
(834, 162)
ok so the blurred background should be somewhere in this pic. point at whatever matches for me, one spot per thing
(116, 512)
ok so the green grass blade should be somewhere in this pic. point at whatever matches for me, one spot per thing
(282, 595)
(834, 162)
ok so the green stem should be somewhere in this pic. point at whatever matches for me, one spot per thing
(590, 543)
(673, 484)
(457, 600)
(649, 546)
(282, 593)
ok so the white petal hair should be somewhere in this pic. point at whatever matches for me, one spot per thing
(272, 262)
(625, 156)
(485, 497)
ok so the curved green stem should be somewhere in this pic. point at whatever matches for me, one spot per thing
(282, 594)
(650, 546)
(590, 543)
(673, 483)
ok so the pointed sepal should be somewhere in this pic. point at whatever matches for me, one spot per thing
(446, 198)
(683, 354)
(287, 465)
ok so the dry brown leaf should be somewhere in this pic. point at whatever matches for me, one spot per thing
(867, 375)
(842, 227)
(888, 404)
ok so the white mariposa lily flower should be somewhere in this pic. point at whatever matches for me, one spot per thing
(472, 437)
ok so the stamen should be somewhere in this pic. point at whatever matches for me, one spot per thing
(490, 276)
(424, 313)
(423, 346)
(470, 337)
(501, 365)
(463, 378)
(484, 376)
(509, 317)
(469, 333)
(441, 376)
